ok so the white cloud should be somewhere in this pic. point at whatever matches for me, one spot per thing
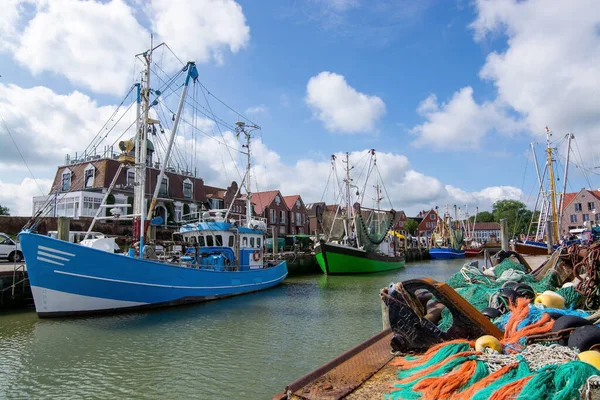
(202, 29)
(47, 126)
(548, 72)
(93, 43)
(18, 196)
(341, 107)
(461, 123)
(256, 110)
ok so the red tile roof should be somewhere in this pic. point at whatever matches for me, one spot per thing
(480, 226)
(570, 196)
(261, 200)
(291, 200)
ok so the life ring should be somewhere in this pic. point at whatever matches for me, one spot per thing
(256, 255)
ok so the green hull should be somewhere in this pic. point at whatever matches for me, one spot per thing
(338, 259)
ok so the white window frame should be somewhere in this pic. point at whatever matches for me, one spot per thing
(164, 178)
(89, 167)
(128, 181)
(188, 181)
(62, 181)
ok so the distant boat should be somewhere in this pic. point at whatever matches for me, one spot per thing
(224, 258)
(444, 253)
(473, 252)
(446, 241)
(365, 242)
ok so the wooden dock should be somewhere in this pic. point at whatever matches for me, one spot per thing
(15, 291)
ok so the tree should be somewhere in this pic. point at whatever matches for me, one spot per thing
(411, 225)
(483, 216)
(4, 210)
(516, 214)
(110, 200)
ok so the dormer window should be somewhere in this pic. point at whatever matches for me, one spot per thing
(277, 200)
(88, 176)
(188, 188)
(66, 181)
(164, 187)
(130, 177)
(298, 203)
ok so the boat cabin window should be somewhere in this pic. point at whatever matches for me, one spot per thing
(230, 240)
(209, 240)
(218, 240)
(258, 243)
(201, 241)
(244, 241)
(192, 240)
(251, 242)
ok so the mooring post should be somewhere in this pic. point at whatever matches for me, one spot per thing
(63, 226)
(550, 236)
(385, 316)
(504, 234)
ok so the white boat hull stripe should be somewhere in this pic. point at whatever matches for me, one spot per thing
(43, 253)
(164, 286)
(55, 251)
(49, 261)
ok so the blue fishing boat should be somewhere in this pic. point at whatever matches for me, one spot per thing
(444, 253)
(223, 257)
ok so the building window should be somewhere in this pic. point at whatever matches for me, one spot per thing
(282, 229)
(164, 187)
(427, 224)
(597, 217)
(431, 216)
(273, 218)
(88, 176)
(282, 217)
(577, 206)
(591, 206)
(298, 220)
(586, 217)
(573, 218)
(187, 189)
(178, 213)
(66, 181)
(130, 177)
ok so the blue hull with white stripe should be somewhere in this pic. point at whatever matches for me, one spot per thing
(445, 253)
(71, 279)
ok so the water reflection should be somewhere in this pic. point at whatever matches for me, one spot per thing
(244, 347)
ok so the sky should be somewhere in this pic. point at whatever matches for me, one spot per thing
(450, 94)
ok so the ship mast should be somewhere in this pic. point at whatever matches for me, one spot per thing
(141, 148)
(348, 199)
(561, 203)
(241, 127)
(554, 219)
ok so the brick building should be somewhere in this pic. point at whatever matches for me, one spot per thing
(299, 222)
(579, 208)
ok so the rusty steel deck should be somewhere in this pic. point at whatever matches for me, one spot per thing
(341, 377)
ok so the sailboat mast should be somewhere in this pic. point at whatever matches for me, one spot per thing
(348, 211)
(561, 204)
(552, 187)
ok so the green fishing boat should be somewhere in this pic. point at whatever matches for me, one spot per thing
(357, 239)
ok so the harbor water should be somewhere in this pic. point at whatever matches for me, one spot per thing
(247, 347)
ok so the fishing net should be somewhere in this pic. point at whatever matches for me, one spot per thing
(332, 226)
(481, 289)
(372, 226)
(458, 239)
